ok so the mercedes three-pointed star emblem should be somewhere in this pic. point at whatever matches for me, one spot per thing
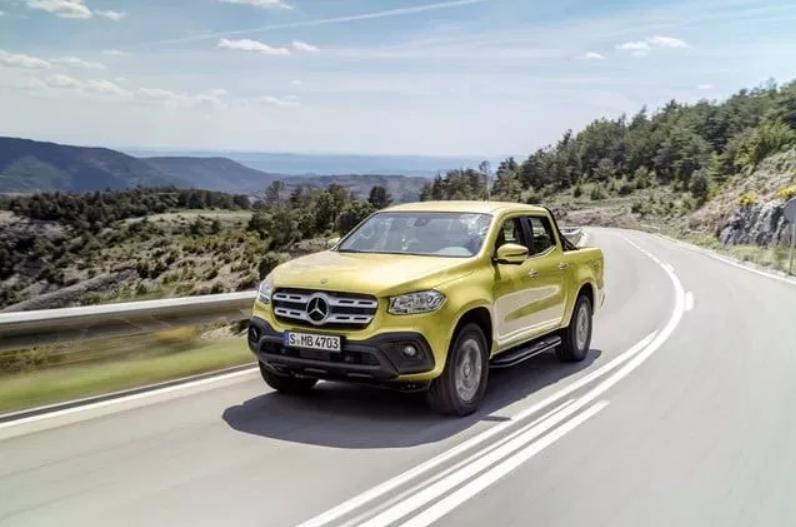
(318, 309)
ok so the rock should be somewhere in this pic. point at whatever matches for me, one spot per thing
(762, 224)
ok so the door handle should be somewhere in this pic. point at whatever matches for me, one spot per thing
(562, 266)
(533, 273)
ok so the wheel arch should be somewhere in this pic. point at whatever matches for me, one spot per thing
(478, 314)
(590, 291)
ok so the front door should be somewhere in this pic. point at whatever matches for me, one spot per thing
(550, 277)
(513, 290)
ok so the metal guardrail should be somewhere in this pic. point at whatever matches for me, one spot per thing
(47, 326)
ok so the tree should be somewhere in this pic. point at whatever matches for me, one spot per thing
(273, 192)
(352, 215)
(379, 198)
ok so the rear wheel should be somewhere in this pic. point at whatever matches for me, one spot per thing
(460, 388)
(576, 339)
(286, 384)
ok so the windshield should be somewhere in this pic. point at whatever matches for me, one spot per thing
(451, 234)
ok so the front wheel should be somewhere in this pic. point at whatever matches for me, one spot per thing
(576, 339)
(462, 385)
(286, 384)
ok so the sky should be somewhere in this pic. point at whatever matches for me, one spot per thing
(457, 77)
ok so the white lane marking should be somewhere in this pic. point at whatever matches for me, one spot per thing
(711, 254)
(369, 495)
(670, 267)
(431, 493)
(689, 301)
(125, 399)
(444, 506)
(412, 504)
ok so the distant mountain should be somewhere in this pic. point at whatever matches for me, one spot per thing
(330, 164)
(28, 166)
(34, 166)
(213, 173)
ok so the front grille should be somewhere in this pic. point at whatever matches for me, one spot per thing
(307, 307)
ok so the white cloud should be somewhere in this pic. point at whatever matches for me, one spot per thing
(62, 8)
(639, 45)
(705, 87)
(106, 87)
(2, 13)
(213, 97)
(112, 15)
(303, 46)
(275, 101)
(79, 63)
(593, 56)
(666, 42)
(62, 81)
(641, 48)
(15, 60)
(297, 82)
(261, 3)
(115, 53)
(100, 86)
(122, 80)
(251, 45)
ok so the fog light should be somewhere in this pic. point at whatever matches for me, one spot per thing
(254, 334)
(409, 351)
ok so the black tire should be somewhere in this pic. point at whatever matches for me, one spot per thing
(574, 344)
(286, 384)
(469, 346)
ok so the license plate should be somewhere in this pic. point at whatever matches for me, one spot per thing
(312, 342)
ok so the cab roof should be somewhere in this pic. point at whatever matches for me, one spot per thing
(466, 206)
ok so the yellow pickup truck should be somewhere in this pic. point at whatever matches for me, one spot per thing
(428, 296)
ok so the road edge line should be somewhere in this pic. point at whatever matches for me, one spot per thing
(727, 259)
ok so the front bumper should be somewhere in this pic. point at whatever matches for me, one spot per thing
(375, 359)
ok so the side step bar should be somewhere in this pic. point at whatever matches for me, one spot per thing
(515, 356)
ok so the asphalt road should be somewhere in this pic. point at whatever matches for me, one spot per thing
(684, 414)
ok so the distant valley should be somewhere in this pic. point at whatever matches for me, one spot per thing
(28, 166)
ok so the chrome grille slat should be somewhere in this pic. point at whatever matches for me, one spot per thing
(291, 305)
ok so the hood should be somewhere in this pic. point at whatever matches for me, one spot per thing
(376, 274)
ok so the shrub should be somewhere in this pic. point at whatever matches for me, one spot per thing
(747, 200)
(787, 193)
(598, 192)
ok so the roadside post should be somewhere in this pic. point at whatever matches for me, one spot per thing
(790, 215)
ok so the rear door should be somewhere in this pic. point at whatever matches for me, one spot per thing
(549, 274)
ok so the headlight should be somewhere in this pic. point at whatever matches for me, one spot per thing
(415, 303)
(265, 290)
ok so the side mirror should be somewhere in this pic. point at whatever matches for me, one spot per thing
(511, 254)
(331, 242)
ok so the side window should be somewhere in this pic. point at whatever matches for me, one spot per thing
(542, 237)
(510, 232)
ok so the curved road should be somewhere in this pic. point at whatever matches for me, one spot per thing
(684, 414)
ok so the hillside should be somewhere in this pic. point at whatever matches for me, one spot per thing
(60, 250)
(213, 173)
(403, 189)
(715, 172)
(35, 166)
